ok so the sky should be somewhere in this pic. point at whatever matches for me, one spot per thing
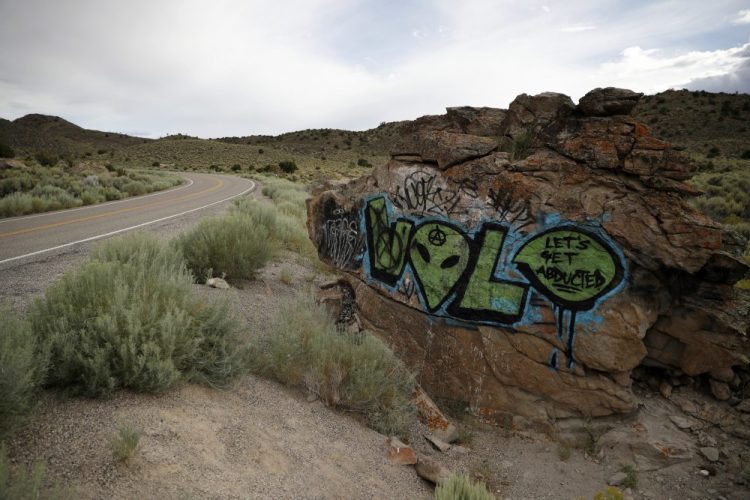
(233, 68)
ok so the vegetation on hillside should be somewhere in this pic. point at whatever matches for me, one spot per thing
(356, 372)
(29, 187)
(711, 124)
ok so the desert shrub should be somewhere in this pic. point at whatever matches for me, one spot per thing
(363, 163)
(46, 159)
(745, 154)
(352, 371)
(631, 479)
(128, 318)
(236, 167)
(461, 487)
(17, 204)
(27, 485)
(286, 275)
(6, 151)
(22, 367)
(284, 230)
(155, 164)
(713, 152)
(125, 443)
(134, 188)
(91, 196)
(610, 493)
(233, 246)
(288, 166)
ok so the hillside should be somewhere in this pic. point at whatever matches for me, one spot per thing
(708, 125)
(713, 124)
(52, 134)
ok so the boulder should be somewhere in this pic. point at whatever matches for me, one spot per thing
(532, 286)
(609, 101)
(711, 453)
(399, 453)
(432, 471)
(440, 427)
(217, 283)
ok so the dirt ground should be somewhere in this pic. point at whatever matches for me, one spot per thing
(258, 439)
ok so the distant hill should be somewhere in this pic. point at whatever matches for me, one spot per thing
(708, 125)
(52, 134)
(714, 124)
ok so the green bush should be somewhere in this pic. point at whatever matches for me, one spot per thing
(125, 443)
(352, 371)
(46, 159)
(6, 151)
(284, 230)
(288, 166)
(23, 485)
(233, 246)
(129, 318)
(22, 366)
(460, 487)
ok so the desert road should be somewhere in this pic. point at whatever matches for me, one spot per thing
(31, 235)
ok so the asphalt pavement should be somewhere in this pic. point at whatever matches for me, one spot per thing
(26, 237)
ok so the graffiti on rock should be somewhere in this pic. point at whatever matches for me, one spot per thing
(573, 268)
(457, 273)
(426, 193)
(341, 239)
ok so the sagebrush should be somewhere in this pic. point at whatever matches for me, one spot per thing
(22, 367)
(129, 318)
(352, 371)
(461, 487)
(231, 246)
(35, 188)
(124, 444)
(25, 484)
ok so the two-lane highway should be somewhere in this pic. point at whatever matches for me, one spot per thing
(25, 237)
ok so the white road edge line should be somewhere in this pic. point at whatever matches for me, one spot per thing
(92, 238)
(105, 204)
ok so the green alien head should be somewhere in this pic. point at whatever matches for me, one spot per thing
(439, 254)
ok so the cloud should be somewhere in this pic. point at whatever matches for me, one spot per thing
(743, 17)
(652, 70)
(737, 79)
(262, 66)
(578, 29)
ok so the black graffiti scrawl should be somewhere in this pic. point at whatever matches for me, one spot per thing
(341, 240)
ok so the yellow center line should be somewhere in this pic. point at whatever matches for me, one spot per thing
(218, 185)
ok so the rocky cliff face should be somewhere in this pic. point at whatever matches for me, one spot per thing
(525, 261)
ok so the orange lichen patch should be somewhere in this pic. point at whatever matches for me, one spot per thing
(641, 130)
(648, 142)
(429, 415)
(665, 451)
(399, 453)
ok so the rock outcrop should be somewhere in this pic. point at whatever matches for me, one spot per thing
(523, 262)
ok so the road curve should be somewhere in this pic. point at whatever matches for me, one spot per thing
(25, 237)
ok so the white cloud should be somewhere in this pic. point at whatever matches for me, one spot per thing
(578, 28)
(743, 17)
(652, 70)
